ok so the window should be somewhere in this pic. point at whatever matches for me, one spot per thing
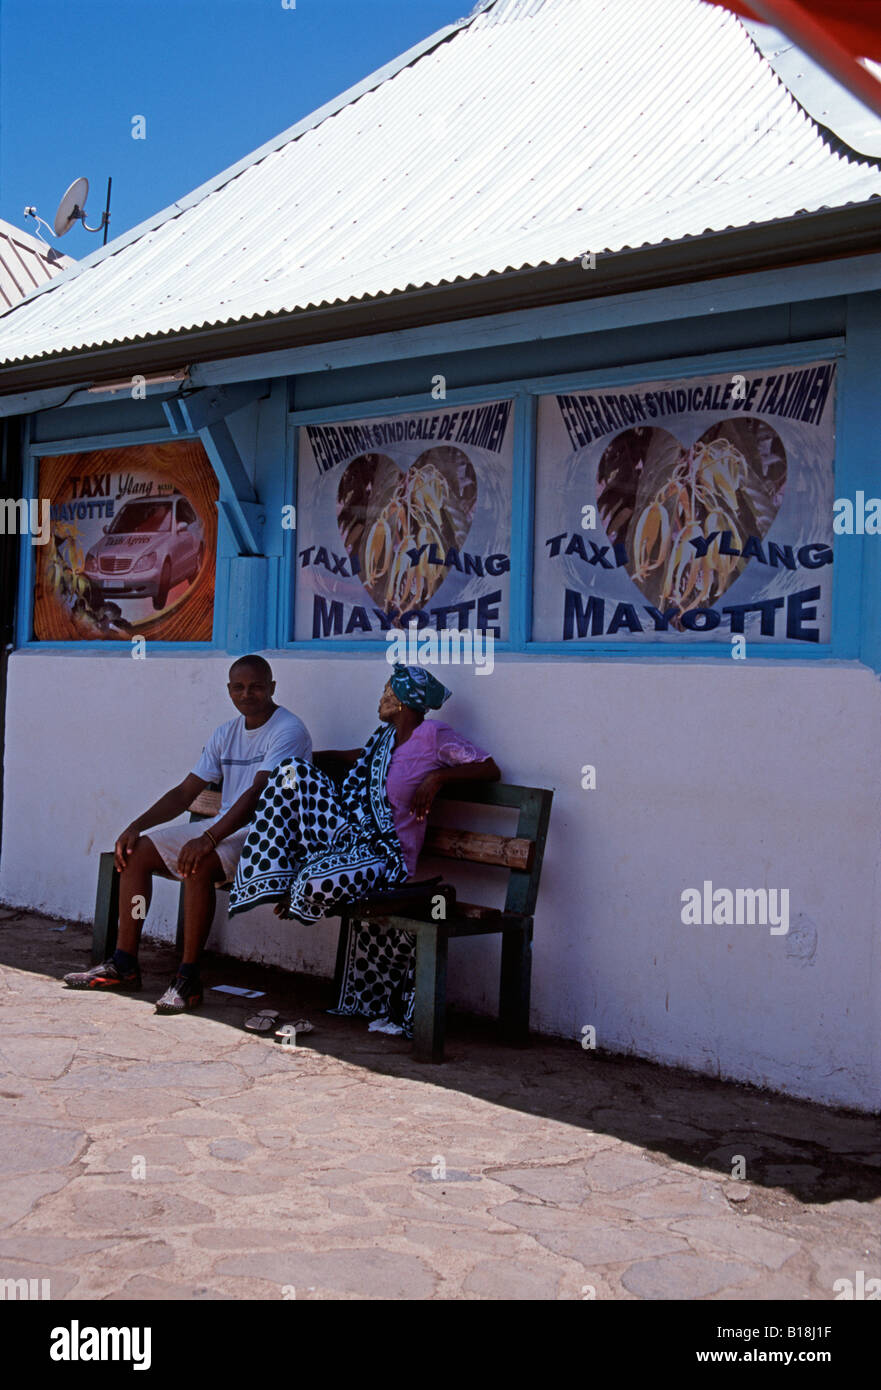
(696, 509)
(114, 566)
(405, 519)
(141, 519)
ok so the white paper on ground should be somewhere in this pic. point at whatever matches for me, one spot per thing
(237, 989)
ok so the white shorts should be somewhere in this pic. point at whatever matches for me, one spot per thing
(170, 840)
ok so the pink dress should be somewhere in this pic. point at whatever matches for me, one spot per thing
(431, 745)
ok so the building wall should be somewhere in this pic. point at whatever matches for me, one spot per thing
(766, 791)
(750, 774)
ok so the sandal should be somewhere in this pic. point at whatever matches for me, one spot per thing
(287, 1030)
(262, 1022)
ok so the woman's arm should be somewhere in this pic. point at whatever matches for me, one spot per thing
(423, 797)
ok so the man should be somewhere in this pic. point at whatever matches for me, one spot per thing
(243, 753)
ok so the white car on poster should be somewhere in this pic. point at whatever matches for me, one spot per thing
(152, 544)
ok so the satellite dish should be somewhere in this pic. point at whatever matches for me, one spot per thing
(72, 206)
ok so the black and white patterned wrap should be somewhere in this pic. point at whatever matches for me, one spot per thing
(313, 847)
(379, 975)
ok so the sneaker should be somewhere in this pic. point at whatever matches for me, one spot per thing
(182, 994)
(105, 976)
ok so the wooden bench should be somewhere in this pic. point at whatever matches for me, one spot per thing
(520, 855)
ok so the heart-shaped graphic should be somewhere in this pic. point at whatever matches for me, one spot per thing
(383, 513)
(656, 498)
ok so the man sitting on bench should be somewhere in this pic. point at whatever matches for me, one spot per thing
(243, 753)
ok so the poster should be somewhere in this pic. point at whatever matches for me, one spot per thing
(688, 510)
(133, 537)
(405, 519)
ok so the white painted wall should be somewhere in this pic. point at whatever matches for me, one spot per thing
(753, 775)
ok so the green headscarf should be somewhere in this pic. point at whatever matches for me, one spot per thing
(417, 688)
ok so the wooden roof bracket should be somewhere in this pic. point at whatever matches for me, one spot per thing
(204, 413)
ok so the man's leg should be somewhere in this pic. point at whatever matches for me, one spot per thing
(120, 973)
(136, 892)
(200, 898)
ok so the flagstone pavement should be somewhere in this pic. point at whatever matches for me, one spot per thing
(145, 1157)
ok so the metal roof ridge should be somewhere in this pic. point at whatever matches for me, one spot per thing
(301, 127)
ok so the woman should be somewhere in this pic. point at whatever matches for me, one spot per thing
(315, 847)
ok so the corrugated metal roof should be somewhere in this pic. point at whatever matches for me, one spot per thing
(532, 132)
(830, 103)
(25, 263)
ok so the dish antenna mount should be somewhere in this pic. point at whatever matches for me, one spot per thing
(72, 208)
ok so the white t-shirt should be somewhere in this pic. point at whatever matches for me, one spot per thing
(235, 754)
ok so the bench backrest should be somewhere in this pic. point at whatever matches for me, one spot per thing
(207, 804)
(520, 854)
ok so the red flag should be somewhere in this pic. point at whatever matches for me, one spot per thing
(835, 33)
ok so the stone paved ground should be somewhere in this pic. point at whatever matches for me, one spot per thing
(270, 1169)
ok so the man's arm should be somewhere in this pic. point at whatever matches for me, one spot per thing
(172, 804)
(239, 814)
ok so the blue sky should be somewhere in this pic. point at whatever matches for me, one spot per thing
(213, 78)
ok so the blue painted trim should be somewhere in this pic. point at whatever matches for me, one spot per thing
(238, 501)
(248, 600)
(772, 656)
(129, 439)
(23, 402)
(109, 395)
(273, 594)
(270, 463)
(847, 550)
(407, 405)
(24, 618)
(862, 617)
(287, 606)
(320, 645)
(174, 415)
(707, 364)
(730, 294)
(102, 646)
(522, 514)
(220, 627)
(806, 651)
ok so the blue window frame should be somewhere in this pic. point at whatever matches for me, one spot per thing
(844, 641)
(856, 614)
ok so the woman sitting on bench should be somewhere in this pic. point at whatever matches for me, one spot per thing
(315, 847)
